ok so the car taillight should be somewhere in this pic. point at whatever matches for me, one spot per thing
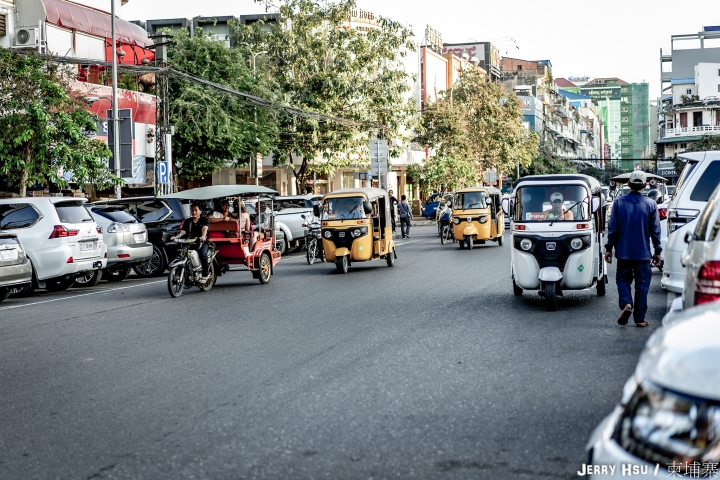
(70, 260)
(61, 232)
(662, 213)
(99, 229)
(707, 283)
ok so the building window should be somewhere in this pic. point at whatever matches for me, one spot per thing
(689, 91)
(624, 90)
(624, 109)
(718, 85)
(683, 145)
(625, 139)
(624, 130)
(625, 119)
(625, 150)
(519, 66)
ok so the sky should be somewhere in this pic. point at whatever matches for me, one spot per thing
(612, 38)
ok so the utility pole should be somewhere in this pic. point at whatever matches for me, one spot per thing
(116, 120)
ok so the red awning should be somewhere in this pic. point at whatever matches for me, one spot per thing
(94, 22)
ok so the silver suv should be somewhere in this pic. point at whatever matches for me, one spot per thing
(15, 269)
(59, 235)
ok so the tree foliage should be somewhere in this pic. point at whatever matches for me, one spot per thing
(213, 128)
(706, 142)
(46, 126)
(322, 65)
(443, 173)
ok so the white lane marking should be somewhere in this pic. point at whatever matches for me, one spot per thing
(81, 295)
(405, 243)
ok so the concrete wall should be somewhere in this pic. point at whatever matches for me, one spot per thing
(684, 61)
(6, 8)
(707, 80)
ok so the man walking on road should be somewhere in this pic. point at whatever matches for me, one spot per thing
(393, 202)
(633, 223)
(405, 217)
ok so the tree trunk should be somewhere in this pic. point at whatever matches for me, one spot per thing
(300, 177)
(24, 174)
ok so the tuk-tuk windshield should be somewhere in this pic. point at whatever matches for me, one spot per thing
(343, 208)
(469, 200)
(545, 203)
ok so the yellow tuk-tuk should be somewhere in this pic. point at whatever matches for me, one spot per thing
(356, 227)
(477, 216)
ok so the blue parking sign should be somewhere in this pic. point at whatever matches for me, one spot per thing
(163, 174)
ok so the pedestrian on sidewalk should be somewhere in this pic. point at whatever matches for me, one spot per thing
(405, 216)
(634, 223)
(393, 202)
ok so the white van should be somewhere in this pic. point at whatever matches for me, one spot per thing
(697, 182)
(60, 238)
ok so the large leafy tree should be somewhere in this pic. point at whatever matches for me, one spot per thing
(46, 126)
(324, 66)
(215, 128)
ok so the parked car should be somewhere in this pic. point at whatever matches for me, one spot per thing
(15, 268)
(696, 184)
(289, 211)
(431, 204)
(127, 244)
(59, 236)
(669, 412)
(162, 219)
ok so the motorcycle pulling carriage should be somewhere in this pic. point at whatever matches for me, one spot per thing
(229, 246)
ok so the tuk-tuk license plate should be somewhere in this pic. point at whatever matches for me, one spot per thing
(87, 246)
(9, 254)
(550, 246)
(139, 237)
(341, 234)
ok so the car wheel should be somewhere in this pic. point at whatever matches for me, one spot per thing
(4, 293)
(154, 267)
(281, 246)
(90, 279)
(117, 275)
(24, 291)
(265, 268)
(59, 285)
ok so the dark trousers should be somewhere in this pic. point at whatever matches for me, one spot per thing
(641, 272)
(405, 226)
(392, 217)
(202, 250)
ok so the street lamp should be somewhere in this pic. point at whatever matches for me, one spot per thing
(116, 120)
(254, 55)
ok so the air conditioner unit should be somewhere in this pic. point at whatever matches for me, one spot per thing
(27, 37)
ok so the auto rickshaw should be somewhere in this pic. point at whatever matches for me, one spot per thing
(356, 227)
(252, 249)
(477, 216)
(557, 232)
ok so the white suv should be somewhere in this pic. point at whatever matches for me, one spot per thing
(59, 235)
(697, 182)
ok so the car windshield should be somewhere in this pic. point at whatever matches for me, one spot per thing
(469, 200)
(343, 208)
(72, 213)
(119, 216)
(546, 203)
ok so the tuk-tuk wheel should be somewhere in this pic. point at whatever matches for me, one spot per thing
(601, 286)
(265, 268)
(500, 239)
(342, 264)
(470, 242)
(390, 257)
(550, 297)
(517, 291)
(461, 243)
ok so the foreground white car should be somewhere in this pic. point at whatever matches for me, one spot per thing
(668, 419)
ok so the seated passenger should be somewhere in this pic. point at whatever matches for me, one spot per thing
(224, 216)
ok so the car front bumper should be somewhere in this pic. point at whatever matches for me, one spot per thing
(12, 275)
(129, 255)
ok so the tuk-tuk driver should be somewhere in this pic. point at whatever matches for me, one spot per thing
(558, 212)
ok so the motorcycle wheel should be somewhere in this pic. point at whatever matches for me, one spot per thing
(176, 281)
(212, 278)
(550, 297)
(443, 236)
(311, 251)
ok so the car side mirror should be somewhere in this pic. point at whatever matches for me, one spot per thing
(316, 210)
(595, 204)
(659, 200)
(367, 207)
(506, 206)
(302, 215)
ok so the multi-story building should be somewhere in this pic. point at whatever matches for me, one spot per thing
(690, 106)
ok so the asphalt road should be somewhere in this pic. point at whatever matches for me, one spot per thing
(431, 369)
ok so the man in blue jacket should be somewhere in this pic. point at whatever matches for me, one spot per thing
(633, 224)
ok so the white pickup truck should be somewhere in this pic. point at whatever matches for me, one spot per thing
(288, 212)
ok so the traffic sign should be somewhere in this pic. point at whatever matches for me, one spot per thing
(379, 157)
(163, 174)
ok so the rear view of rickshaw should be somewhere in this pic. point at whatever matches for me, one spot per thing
(556, 235)
(477, 216)
(356, 227)
(232, 242)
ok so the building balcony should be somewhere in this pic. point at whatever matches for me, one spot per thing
(691, 131)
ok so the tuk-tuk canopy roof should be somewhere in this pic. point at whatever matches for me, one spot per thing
(369, 192)
(592, 182)
(220, 191)
(491, 190)
(626, 176)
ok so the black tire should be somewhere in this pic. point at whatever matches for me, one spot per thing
(265, 268)
(24, 291)
(390, 257)
(59, 285)
(90, 279)
(212, 278)
(517, 291)
(501, 240)
(281, 246)
(461, 243)
(154, 267)
(4, 293)
(443, 237)
(176, 281)
(342, 264)
(470, 242)
(311, 252)
(550, 297)
(117, 275)
(601, 286)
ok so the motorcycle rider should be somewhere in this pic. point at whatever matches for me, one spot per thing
(197, 226)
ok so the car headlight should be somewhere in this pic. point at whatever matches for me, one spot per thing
(456, 221)
(483, 219)
(328, 234)
(662, 426)
(526, 244)
(576, 243)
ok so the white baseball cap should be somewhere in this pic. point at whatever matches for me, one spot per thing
(556, 196)
(638, 177)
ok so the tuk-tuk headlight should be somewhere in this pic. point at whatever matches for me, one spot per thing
(328, 234)
(576, 243)
(456, 221)
(356, 233)
(469, 219)
(483, 219)
(526, 244)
